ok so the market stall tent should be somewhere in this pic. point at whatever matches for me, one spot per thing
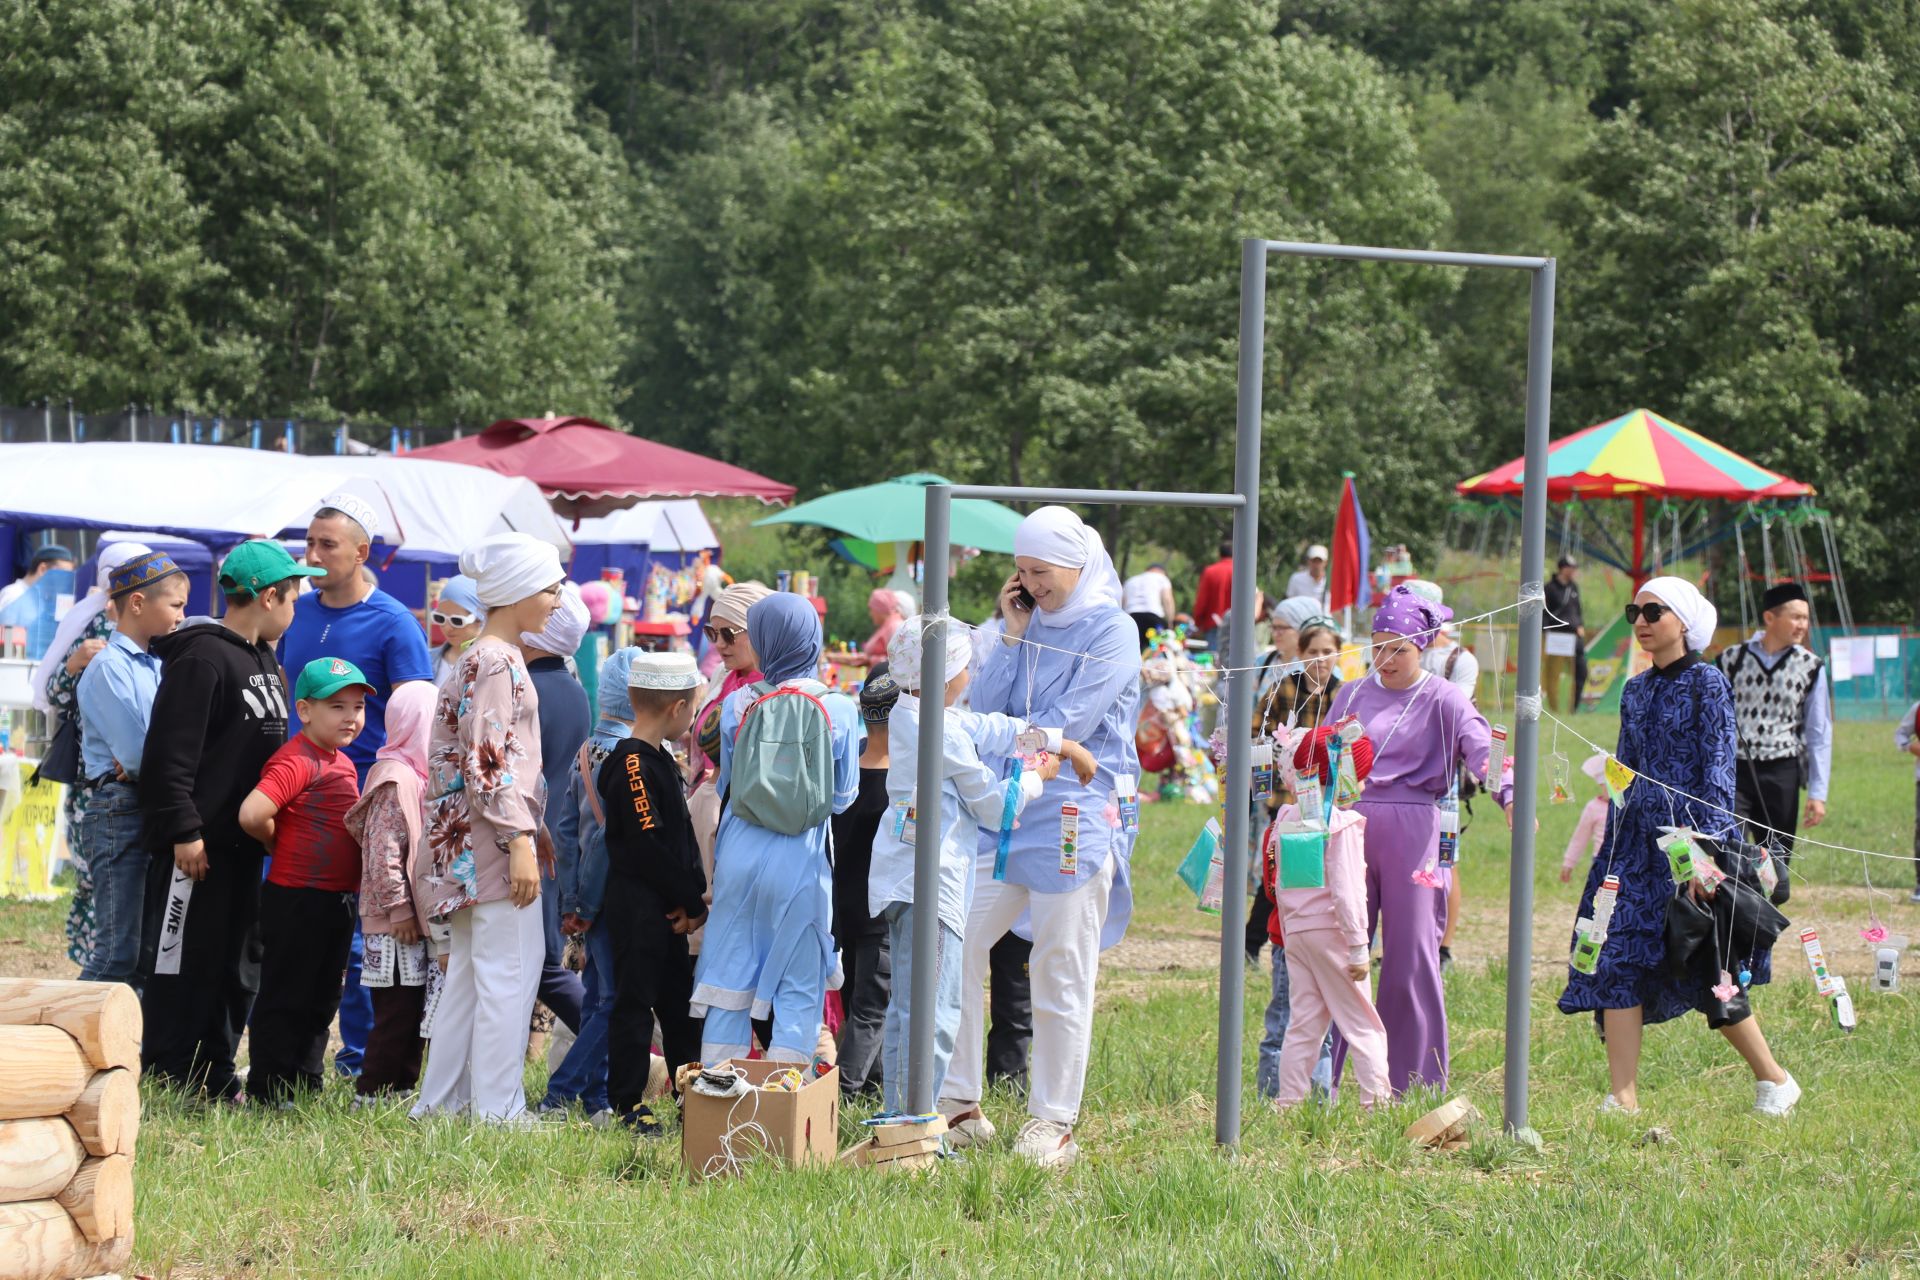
(633, 540)
(587, 468)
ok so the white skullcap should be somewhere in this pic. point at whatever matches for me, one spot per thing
(566, 627)
(908, 646)
(1693, 608)
(358, 510)
(663, 671)
(509, 567)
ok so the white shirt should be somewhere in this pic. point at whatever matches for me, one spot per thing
(13, 591)
(1466, 668)
(1302, 584)
(1146, 593)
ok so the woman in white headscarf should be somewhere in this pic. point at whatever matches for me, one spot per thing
(1069, 659)
(1677, 732)
(82, 632)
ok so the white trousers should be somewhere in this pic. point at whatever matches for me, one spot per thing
(1065, 963)
(477, 1057)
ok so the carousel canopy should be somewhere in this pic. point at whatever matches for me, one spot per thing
(1641, 454)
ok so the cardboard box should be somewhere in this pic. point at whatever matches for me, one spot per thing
(801, 1127)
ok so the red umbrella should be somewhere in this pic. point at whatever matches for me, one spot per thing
(587, 468)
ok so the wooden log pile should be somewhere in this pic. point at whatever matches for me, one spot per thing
(69, 1114)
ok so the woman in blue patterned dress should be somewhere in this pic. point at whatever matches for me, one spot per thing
(1676, 726)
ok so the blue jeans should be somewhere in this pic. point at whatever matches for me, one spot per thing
(1266, 1076)
(582, 1075)
(117, 859)
(946, 1004)
(356, 1012)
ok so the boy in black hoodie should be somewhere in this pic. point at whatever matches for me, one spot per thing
(655, 894)
(220, 713)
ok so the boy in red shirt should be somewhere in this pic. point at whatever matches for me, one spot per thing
(307, 906)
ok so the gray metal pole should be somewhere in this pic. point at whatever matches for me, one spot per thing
(926, 800)
(1239, 692)
(1526, 738)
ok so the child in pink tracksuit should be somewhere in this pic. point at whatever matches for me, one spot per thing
(1326, 958)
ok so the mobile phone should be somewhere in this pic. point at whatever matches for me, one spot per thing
(1023, 598)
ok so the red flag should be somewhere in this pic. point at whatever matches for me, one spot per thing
(1347, 575)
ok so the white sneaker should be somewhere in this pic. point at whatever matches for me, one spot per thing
(1771, 1099)
(1046, 1142)
(969, 1127)
(1611, 1105)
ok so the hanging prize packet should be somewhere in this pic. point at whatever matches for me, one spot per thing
(1262, 770)
(1558, 770)
(1496, 756)
(1450, 824)
(1009, 809)
(1590, 933)
(1126, 795)
(1677, 844)
(1817, 961)
(903, 822)
(1069, 839)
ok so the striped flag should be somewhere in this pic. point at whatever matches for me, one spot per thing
(1347, 575)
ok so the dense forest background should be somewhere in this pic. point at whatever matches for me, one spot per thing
(836, 241)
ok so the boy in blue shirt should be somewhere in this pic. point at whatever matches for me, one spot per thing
(148, 597)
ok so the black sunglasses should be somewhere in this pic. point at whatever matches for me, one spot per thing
(724, 635)
(1651, 612)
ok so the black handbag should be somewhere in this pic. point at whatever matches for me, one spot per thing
(60, 762)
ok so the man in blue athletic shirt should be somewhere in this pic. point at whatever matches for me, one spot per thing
(349, 618)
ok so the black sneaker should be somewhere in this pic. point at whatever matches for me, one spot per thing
(643, 1123)
(1446, 961)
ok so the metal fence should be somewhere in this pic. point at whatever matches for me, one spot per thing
(23, 424)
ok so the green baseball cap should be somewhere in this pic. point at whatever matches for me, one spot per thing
(324, 677)
(252, 567)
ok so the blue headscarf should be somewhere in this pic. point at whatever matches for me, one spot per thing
(613, 702)
(463, 591)
(786, 636)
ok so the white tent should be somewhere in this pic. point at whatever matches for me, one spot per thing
(220, 495)
(672, 524)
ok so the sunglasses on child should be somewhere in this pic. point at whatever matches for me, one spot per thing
(1651, 612)
(451, 619)
(724, 635)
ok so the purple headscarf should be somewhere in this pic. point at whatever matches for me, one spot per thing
(1406, 614)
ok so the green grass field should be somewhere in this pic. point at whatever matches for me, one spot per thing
(1695, 1185)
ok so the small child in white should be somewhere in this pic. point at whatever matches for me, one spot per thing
(973, 796)
(1592, 827)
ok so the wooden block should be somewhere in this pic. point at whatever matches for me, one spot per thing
(906, 1150)
(888, 1135)
(103, 1016)
(907, 1162)
(43, 1071)
(109, 1258)
(106, 1115)
(100, 1198)
(40, 1241)
(38, 1157)
(1441, 1123)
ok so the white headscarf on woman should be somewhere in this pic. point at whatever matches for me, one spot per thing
(79, 614)
(1057, 536)
(509, 567)
(566, 625)
(1693, 609)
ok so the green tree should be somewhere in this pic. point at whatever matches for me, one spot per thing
(1018, 236)
(356, 209)
(1745, 261)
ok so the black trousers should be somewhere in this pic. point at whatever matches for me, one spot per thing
(867, 959)
(394, 1046)
(306, 937)
(1257, 917)
(194, 1018)
(652, 978)
(1010, 1006)
(1768, 792)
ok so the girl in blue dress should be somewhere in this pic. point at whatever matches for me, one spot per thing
(1676, 727)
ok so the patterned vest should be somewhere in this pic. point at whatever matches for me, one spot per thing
(1770, 707)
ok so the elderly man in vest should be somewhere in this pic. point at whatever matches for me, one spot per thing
(1784, 718)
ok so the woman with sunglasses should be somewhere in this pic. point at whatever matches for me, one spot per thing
(726, 631)
(1676, 731)
(459, 616)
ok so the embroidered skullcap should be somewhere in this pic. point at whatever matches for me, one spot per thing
(140, 573)
(663, 671)
(358, 510)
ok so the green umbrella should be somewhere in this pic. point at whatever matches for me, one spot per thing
(875, 516)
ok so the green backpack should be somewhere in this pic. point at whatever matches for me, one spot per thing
(782, 776)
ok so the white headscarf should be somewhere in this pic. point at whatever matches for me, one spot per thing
(1295, 610)
(908, 646)
(509, 567)
(79, 614)
(566, 626)
(1693, 609)
(1057, 536)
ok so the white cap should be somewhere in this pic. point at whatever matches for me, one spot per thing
(663, 671)
(1316, 552)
